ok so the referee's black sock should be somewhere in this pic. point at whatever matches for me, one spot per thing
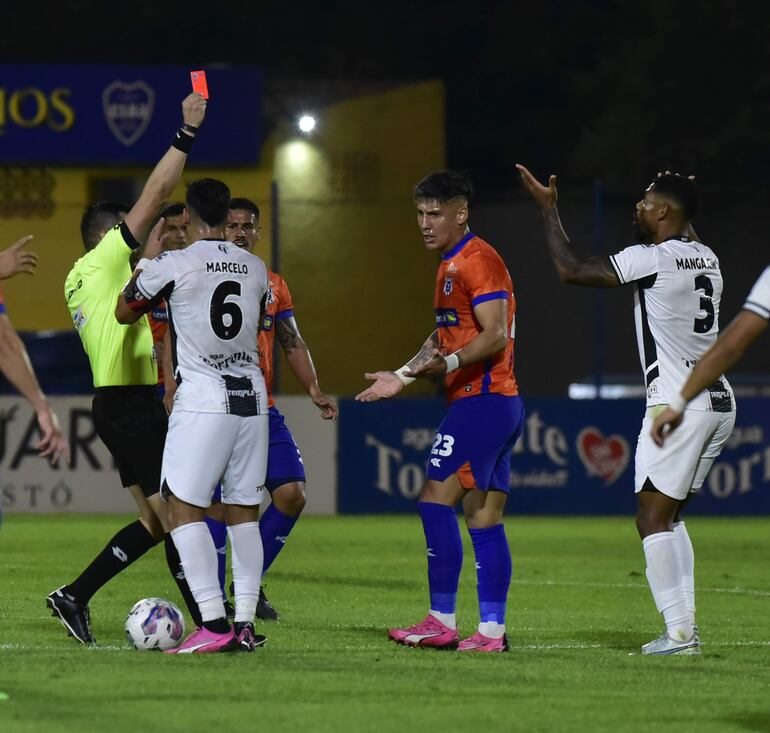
(175, 566)
(129, 544)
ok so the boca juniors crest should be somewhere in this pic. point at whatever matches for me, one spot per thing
(128, 109)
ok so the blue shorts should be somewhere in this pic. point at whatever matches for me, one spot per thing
(475, 440)
(284, 462)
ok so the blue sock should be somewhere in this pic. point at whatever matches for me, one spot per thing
(219, 535)
(493, 571)
(274, 526)
(445, 554)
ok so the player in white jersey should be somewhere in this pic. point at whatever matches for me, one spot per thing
(215, 293)
(678, 286)
(744, 330)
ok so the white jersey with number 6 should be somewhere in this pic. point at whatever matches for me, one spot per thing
(214, 291)
(676, 307)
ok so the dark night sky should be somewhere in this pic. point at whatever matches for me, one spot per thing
(601, 89)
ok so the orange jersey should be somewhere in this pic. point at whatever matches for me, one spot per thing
(158, 318)
(279, 305)
(471, 273)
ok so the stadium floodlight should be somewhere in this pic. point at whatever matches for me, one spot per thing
(306, 123)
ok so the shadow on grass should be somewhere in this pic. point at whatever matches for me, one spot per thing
(348, 581)
(751, 721)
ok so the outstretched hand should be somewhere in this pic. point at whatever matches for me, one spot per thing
(545, 197)
(16, 259)
(665, 424)
(386, 384)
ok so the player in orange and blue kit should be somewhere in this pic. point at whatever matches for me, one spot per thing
(173, 236)
(285, 478)
(472, 347)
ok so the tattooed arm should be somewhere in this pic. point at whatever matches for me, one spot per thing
(298, 356)
(592, 271)
(388, 384)
(492, 317)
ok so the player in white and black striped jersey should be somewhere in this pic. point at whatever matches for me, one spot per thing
(215, 293)
(744, 330)
(678, 287)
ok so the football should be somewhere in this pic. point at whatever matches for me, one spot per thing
(154, 623)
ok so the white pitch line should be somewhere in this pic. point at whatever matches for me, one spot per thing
(53, 648)
(582, 645)
(566, 646)
(571, 584)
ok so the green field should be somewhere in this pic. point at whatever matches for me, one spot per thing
(579, 609)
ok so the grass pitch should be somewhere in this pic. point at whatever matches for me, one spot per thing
(578, 608)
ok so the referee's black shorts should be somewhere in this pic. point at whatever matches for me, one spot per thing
(132, 423)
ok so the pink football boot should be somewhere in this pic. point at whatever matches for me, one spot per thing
(480, 643)
(430, 632)
(203, 641)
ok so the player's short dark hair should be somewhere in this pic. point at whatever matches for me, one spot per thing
(175, 209)
(682, 190)
(245, 205)
(209, 199)
(98, 217)
(443, 186)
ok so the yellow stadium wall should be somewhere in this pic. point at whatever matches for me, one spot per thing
(349, 245)
(37, 303)
(350, 248)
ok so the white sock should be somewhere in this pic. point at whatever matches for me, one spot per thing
(687, 559)
(247, 558)
(448, 619)
(199, 562)
(492, 629)
(664, 574)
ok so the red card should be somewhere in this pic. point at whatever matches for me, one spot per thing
(199, 85)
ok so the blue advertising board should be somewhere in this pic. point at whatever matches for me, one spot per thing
(106, 115)
(574, 457)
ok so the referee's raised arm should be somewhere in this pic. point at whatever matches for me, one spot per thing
(164, 178)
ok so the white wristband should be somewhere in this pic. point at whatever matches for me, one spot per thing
(400, 374)
(452, 362)
(678, 404)
(142, 264)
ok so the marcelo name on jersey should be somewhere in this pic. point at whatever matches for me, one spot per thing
(234, 268)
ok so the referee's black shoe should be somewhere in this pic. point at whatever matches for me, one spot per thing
(73, 615)
(264, 610)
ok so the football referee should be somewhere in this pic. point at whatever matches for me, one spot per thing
(127, 411)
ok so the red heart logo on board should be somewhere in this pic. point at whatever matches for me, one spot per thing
(605, 457)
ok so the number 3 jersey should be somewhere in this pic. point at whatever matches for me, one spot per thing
(215, 292)
(676, 307)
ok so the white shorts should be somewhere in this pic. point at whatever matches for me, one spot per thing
(683, 462)
(203, 448)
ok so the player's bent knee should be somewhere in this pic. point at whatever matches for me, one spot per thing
(290, 499)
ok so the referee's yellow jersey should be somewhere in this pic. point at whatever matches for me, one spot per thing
(119, 355)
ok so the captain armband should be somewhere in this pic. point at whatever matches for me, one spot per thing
(134, 297)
